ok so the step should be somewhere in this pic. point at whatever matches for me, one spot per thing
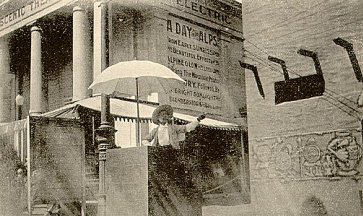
(40, 209)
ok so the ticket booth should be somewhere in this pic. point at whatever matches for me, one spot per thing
(209, 169)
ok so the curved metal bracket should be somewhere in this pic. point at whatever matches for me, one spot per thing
(353, 58)
(257, 77)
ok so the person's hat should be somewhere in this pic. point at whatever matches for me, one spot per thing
(167, 108)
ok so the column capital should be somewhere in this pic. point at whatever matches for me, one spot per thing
(35, 28)
(101, 1)
(79, 8)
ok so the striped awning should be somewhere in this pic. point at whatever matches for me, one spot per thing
(125, 110)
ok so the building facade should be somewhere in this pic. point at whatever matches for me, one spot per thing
(68, 43)
(304, 154)
(52, 50)
(294, 145)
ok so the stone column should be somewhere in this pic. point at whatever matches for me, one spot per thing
(5, 79)
(100, 38)
(36, 69)
(82, 65)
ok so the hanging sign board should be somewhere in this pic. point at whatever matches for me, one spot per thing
(194, 54)
(17, 13)
(227, 15)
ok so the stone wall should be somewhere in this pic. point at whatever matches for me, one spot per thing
(279, 29)
(291, 157)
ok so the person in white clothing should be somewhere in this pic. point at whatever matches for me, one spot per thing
(168, 133)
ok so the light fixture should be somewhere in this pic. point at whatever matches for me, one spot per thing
(19, 100)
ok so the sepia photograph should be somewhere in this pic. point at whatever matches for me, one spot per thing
(181, 107)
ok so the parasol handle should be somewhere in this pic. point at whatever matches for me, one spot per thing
(138, 114)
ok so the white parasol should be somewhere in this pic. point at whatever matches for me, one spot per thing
(136, 78)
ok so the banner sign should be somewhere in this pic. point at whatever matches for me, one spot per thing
(17, 13)
(212, 10)
(194, 54)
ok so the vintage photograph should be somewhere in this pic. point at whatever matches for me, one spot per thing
(181, 107)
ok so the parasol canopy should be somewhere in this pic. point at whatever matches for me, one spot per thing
(136, 78)
(122, 78)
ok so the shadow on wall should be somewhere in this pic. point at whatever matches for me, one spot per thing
(313, 206)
